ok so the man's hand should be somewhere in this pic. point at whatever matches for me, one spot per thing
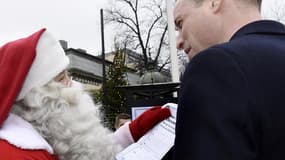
(147, 121)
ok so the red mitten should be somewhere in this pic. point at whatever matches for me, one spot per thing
(147, 120)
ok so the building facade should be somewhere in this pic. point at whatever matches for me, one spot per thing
(87, 69)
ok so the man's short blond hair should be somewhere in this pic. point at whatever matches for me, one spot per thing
(258, 2)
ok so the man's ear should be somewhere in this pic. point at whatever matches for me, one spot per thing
(216, 5)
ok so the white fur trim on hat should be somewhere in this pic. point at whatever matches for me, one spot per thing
(50, 60)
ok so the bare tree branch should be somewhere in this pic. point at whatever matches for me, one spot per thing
(123, 22)
(161, 43)
(143, 26)
(151, 27)
(119, 14)
(164, 64)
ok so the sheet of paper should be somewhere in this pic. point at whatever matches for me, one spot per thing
(156, 143)
(137, 111)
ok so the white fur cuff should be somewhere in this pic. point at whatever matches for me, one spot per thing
(20, 133)
(123, 136)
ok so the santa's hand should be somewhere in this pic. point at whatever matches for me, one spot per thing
(147, 121)
(133, 131)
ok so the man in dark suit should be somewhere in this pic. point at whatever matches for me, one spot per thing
(232, 98)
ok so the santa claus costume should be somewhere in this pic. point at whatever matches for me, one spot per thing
(49, 120)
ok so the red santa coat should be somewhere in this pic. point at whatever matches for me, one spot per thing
(15, 60)
(20, 141)
(11, 152)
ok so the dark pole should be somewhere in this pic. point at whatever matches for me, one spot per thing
(103, 57)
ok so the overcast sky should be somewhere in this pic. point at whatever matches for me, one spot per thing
(77, 21)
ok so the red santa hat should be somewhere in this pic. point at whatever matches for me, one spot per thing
(27, 63)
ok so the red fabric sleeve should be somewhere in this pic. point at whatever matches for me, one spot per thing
(10, 152)
(147, 121)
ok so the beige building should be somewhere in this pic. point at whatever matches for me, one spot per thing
(87, 69)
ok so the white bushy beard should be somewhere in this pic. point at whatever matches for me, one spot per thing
(68, 119)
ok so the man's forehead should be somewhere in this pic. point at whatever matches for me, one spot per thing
(180, 3)
(177, 6)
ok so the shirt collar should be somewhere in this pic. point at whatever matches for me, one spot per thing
(260, 27)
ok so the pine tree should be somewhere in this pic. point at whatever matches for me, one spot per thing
(115, 98)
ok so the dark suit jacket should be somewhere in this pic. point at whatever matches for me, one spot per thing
(232, 98)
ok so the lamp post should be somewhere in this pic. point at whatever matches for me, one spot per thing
(103, 57)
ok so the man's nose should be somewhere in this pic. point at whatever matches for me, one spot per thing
(179, 42)
(66, 80)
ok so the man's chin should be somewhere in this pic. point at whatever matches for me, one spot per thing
(191, 54)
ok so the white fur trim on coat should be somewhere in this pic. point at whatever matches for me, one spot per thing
(20, 133)
(123, 136)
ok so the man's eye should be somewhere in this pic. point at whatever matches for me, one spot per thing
(178, 25)
(176, 28)
(60, 78)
